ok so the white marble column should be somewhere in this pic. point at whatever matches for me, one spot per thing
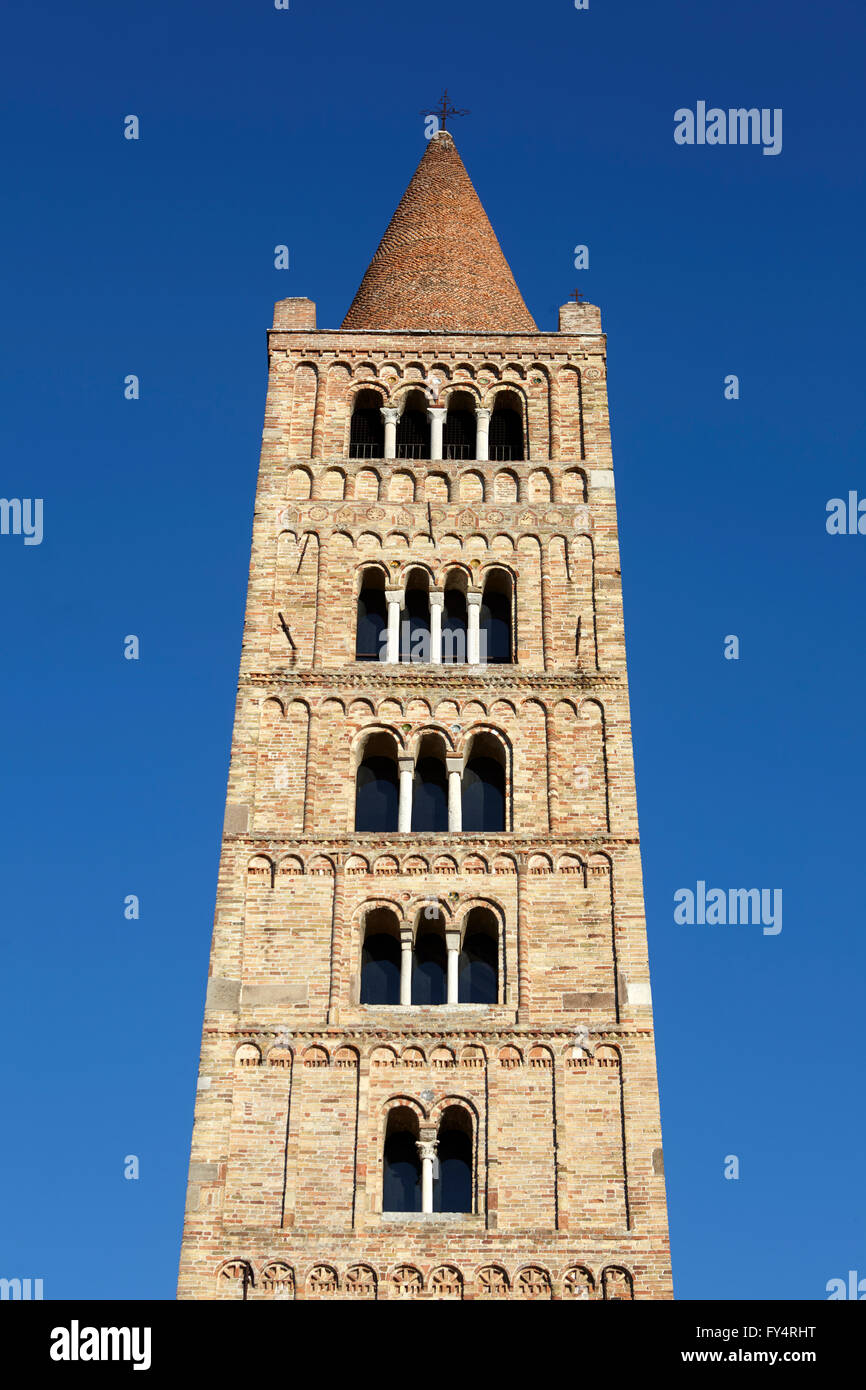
(390, 414)
(482, 433)
(452, 945)
(436, 415)
(437, 605)
(427, 1153)
(473, 635)
(394, 597)
(405, 966)
(455, 794)
(404, 812)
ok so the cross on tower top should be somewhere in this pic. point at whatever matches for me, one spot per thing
(443, 110)
(578, 296)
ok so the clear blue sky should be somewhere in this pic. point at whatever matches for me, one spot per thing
(261, 127)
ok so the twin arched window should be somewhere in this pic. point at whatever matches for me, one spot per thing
(397, 970)
(431, 795)
(447, 1149)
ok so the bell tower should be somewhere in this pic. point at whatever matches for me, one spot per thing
(427, 1066)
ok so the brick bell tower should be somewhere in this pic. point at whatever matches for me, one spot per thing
(427, 1067)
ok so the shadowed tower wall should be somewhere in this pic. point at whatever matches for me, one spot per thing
(549, 1081)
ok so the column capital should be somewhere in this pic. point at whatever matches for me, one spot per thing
(454, 762)
(436, 412)
(452, 939)
(406, 762)
(482, 412)
(394, 595)
(473, 598)
(426, 1148)
(390, 414)
(436, 598)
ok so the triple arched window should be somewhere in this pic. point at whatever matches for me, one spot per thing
(438, 964)
(454, 625)
(432, 792)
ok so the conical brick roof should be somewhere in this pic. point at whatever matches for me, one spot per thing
(439, 265)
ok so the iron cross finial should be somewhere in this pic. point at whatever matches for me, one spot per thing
(443, 111)
(578, 296)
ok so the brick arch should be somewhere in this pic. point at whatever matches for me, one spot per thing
(368, 535)
(414, 864)
(374, 904)
(290, 864)
(458, 386)
(498, 388)
(439, 477)
(367, 473)
(299, 483)
(465, 905)
(506, 486)
(413, 741)
(360, 570)
(406, 568)
(438, 1107)
(571, 477)
(399, 1102)
(363, 735)
(262, 867)
(449, 567)
(321, 486)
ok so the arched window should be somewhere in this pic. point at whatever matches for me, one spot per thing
(430, 787)
(506, 427)
(453, 1189)
(454, 620)
(484, 785)
(380, 958)
(478, 967)
(401, 1177)
(367, 434)
(372, 617)
(416, 617)
(496, 644)
(413, 428)
(460, 427)
(429, 969)
(377, 785)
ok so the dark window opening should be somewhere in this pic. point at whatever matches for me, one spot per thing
(372, 618)
(377, 788)
(380, 969)
(506, 428)
(453, 1190)
(496, 620)
(430, 795)
(429, 974)
(367, 433)
(478, 968)
(454, 627)
(413, 429)
(483, 795)
(401, 1179)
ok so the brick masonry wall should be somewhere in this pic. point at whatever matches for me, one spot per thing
(297, 1076)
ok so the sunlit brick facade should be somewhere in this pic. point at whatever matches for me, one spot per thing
(549, 1083)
